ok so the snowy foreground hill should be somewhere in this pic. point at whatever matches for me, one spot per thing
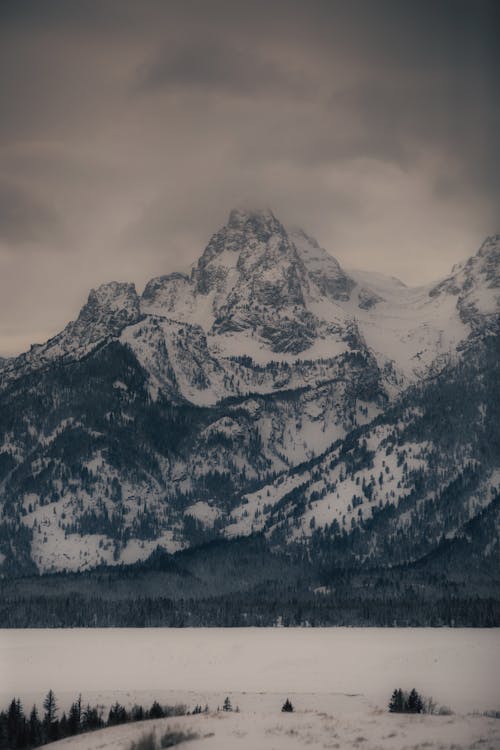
(263, 727)
(338, 680)
(341, 415)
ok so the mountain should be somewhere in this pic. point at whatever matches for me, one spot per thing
(341, 415)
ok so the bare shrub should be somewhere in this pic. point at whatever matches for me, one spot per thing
(175, 736)
(146, 741)
(443, 711)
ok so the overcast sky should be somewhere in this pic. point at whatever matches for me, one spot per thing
(129, 129)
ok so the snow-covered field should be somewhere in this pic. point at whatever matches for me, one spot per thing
(339, 681)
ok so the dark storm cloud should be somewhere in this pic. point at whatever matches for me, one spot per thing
(129, 129)
(399, 117)
(219, 67)
(25, 218)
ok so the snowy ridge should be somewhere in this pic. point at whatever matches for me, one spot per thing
(277, 296)
(109, 309)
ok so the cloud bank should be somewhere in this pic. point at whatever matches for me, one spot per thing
(129, 130)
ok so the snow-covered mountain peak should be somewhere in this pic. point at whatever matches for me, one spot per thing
(240, 217)
(109, 309)
(263, 289)
(112, 305)
(253, 276)
(114, 294)
(273, 294)
(490, 245)
(322, 268)
(489, 260)
(246, 231)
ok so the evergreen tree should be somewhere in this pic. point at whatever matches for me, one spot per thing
(50, 706)
(35, 728)
(287, 706)
(75, 717)
(3, 730)
(50, 723)
(414, 703)
(17, 734)
(12, 723)
(227, 706)
(117, 715)
(137, 713)
(156, 711)
(91, 719)
(397, 702)
(63, 726)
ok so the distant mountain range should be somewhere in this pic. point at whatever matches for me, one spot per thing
(339, 415)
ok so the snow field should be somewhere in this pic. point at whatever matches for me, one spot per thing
(339, 680)
(264, 727)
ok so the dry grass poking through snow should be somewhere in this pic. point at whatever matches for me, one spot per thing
(170, 738)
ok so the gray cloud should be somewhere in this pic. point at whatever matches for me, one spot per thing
(219, 67)
(25, 218)
(128, 130)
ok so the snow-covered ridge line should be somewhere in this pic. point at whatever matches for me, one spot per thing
(275, 295)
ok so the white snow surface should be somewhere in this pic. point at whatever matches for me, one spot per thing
(408, 327)
(339, 680)
(203, 512)
(261, 726)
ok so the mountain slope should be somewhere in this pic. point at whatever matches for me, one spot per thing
(390, 491)
(266, 391)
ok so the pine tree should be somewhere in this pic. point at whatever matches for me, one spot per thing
(17, 733)
(50, 723)
(50, 706)
(226, 706)
(137, 713)
(117, 715)
(12, 723)
(75, 717)
(397, 702)
(414, 703)
(3, 731)
(287, 706)
(63, 726)
(156, 711)
(91, 719)
(35, 728)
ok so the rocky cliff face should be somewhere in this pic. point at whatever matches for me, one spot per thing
(476, 285)
(268, 390)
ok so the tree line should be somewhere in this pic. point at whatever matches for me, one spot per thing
(20, 731)
(257, 608)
